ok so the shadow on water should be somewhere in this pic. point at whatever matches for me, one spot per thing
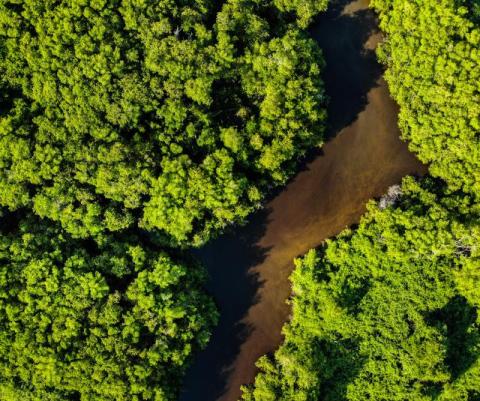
(351, 69)
(235, 289)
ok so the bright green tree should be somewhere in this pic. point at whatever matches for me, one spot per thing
(89, 322)
(305, 10)
(432, 54)
(387, 312)
(175, 115)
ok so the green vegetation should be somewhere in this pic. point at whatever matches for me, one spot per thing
(128, 127)
(432, 53)
(389, 311)
(305, 10)
(175, 118)
(82, 321)
(175, 115)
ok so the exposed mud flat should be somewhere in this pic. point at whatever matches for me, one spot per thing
(249, 268)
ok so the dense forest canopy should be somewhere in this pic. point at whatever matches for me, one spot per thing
(432, 53)
(80, 321)
(175, 115)
(125, 124)
(389, 311)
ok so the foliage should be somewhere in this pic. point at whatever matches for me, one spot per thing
(174, 114)
(305, 10)
(88, 322)
(432, 53)
(389, 311)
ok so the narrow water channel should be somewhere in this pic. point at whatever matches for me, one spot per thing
(249, 268)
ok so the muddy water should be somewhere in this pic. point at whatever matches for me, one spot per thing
(249, 268)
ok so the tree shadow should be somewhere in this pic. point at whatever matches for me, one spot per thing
(228, 261)
(473, 395)
(455, 320)
(344, 364)
(474, 10)
(351, 70)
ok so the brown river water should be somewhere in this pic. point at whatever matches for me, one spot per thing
(363, 156)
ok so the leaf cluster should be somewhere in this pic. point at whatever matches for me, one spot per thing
(86, 321)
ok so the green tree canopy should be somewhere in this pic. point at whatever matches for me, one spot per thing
(177, 115)
(388, 312)
(305, 10)
(432, 52)
(86, 322)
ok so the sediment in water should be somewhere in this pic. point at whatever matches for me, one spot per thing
(249, 268)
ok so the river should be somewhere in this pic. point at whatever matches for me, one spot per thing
(249, 268)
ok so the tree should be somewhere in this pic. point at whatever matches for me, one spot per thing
(175, 116)
(433, 71)
(305, 10)
(85, 321)
(388, 311)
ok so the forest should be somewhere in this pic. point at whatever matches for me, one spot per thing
(168, 116)
(131, 131)
(389, 310)
(80, 320)
(432, 54)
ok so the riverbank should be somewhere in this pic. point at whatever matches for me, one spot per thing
(249, 268)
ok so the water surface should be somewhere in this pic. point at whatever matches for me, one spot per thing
(249, 268)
